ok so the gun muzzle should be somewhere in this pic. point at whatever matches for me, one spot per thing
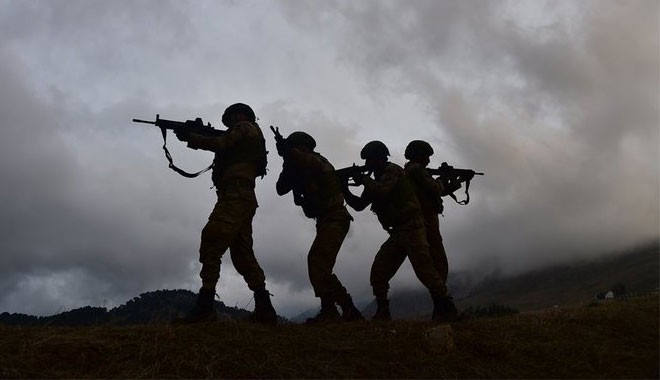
(147, 121)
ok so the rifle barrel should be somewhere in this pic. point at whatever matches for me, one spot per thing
(143, 121)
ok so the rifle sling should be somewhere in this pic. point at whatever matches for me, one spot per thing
(171, 161)
(467, 195)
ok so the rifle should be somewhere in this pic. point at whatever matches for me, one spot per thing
(446, 170)
(280, 143)
(451, 173)
(350, 172)
(191, 126)
(279, 140)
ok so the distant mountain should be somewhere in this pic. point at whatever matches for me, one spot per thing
(636, 271)
(302, 317)
(150, 307)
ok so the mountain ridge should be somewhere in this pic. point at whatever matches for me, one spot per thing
(635, 270)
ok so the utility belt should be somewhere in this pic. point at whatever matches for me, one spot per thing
(235, 183)
(408, 222)
(236, 189)
(336, 212)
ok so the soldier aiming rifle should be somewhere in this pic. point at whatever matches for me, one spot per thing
(429, 192)
(317, 190)
(240, 157)
(393, 200)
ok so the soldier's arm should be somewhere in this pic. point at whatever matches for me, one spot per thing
(217, 143)
(425, 181)
(284, 183)
(381, 188)
(356, 203)
(448, 186)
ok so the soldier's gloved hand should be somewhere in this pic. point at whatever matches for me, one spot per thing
(359, 179)
(182, 134)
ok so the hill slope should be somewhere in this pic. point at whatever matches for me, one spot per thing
(636, 270)
(616, 339)
(156, 306)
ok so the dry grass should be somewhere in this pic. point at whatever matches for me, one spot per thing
(615, 340)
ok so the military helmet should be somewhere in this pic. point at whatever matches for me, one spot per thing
(238, 108)
(418, 148)
(299, 138)
(374, 149)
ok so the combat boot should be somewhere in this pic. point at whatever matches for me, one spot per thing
(383, 310)
(328, 312)
(444, 309)
(264, 312)
(204, 309)
(348, 310)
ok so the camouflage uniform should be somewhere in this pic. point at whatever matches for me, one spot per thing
(395, 204)
(429, 193)
(317, 190)
(240, 157)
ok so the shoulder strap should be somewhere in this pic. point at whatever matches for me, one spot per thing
(171, 161)
(467, 195)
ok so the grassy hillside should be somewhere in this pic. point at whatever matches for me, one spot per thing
(617, 339)
(569, 284)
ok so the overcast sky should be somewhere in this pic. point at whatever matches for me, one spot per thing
(556, 101)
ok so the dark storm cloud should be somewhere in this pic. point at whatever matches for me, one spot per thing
(556, 102)
(67, 184)
(562, 116)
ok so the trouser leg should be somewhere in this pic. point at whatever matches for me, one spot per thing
(436, 247)
(227, 220)
(387, 262)
(417, 250)
(215, 241)
(330, 235)
(243, 258)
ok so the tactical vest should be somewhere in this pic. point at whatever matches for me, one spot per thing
(248, 151)
(320, 193)
(429, 200)
(399, 207)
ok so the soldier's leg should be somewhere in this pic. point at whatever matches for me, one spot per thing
(242, 253)
(417, 249)
(330, 235)
(444, 309)
(387, 262)
(216, 235)
(436, 248)
(224, 223)
(216, 238)
(245, 262)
